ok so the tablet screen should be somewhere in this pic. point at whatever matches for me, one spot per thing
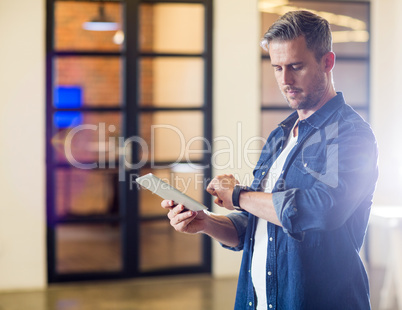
(168, 192)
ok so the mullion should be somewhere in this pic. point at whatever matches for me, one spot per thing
(206, 162)
(68, 166)
(168, 164)
(94, 276)
(173, 1)
(50, 173)
(86, 109)
(67, 53)
(173, 55)
(90, 219)
(131, 231)
(148, 109)
(95, 1)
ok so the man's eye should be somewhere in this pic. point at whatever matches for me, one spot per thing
(278, 68)
(296, 68)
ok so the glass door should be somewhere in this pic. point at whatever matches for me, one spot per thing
(125, 97)
(174, 122)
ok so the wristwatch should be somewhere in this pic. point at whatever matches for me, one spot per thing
(236, 195)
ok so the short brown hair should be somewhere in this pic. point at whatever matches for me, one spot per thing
(314, 28)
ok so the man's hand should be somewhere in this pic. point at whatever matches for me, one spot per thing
(222, 187)
(185, 221)
(216, 226)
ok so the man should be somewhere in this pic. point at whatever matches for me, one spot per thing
(304, 218)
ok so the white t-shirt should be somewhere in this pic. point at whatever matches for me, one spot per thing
(259, 260)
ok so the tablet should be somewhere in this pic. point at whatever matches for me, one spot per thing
(168, 192)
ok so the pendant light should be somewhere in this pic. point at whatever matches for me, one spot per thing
(101, 22)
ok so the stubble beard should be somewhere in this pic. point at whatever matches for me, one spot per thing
(309, 101)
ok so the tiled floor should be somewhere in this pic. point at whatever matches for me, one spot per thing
(199, 292)
(193, 292)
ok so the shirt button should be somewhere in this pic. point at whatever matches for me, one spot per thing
(295, 209)
(270, 238)
(282, 171)
(270, 306)
(263, 173)
(269, 273)
(250, 303)
(305, 165)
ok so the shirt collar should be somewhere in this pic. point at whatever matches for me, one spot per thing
(319, 117)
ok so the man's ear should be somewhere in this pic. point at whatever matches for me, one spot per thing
(328, 61)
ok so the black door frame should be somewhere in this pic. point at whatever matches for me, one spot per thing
(131, 112)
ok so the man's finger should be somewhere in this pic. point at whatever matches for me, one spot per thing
(211, 189)
(182, 219)
(167, 204)
(219, 202)
(175, 211)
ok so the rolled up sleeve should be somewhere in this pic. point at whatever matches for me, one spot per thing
(286, 209)
(240, 221)
(325, 206)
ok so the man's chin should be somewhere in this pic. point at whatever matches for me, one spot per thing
(293, 104)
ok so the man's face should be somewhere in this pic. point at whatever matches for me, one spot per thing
(301, 79)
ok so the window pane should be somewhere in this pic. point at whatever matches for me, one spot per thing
(88, 81)
(172, 28)
(70, 17)
(271, 119)
(173, 82)
(173, 136)
(88, 248)
(86, 192)
(186, 177)
(351, 77)
(85, 139)
(162, 247)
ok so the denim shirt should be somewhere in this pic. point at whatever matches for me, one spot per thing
(323, 200)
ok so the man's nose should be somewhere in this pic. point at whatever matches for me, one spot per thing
(287, 77)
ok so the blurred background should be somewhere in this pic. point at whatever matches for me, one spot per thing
(95, 93)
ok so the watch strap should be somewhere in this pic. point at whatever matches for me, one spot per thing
(236, 195)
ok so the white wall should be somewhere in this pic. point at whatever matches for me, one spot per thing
(386, 81)
(236, 97)
(22, 138)
(386, 111)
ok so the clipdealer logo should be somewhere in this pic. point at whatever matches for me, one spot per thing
(115, 152)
